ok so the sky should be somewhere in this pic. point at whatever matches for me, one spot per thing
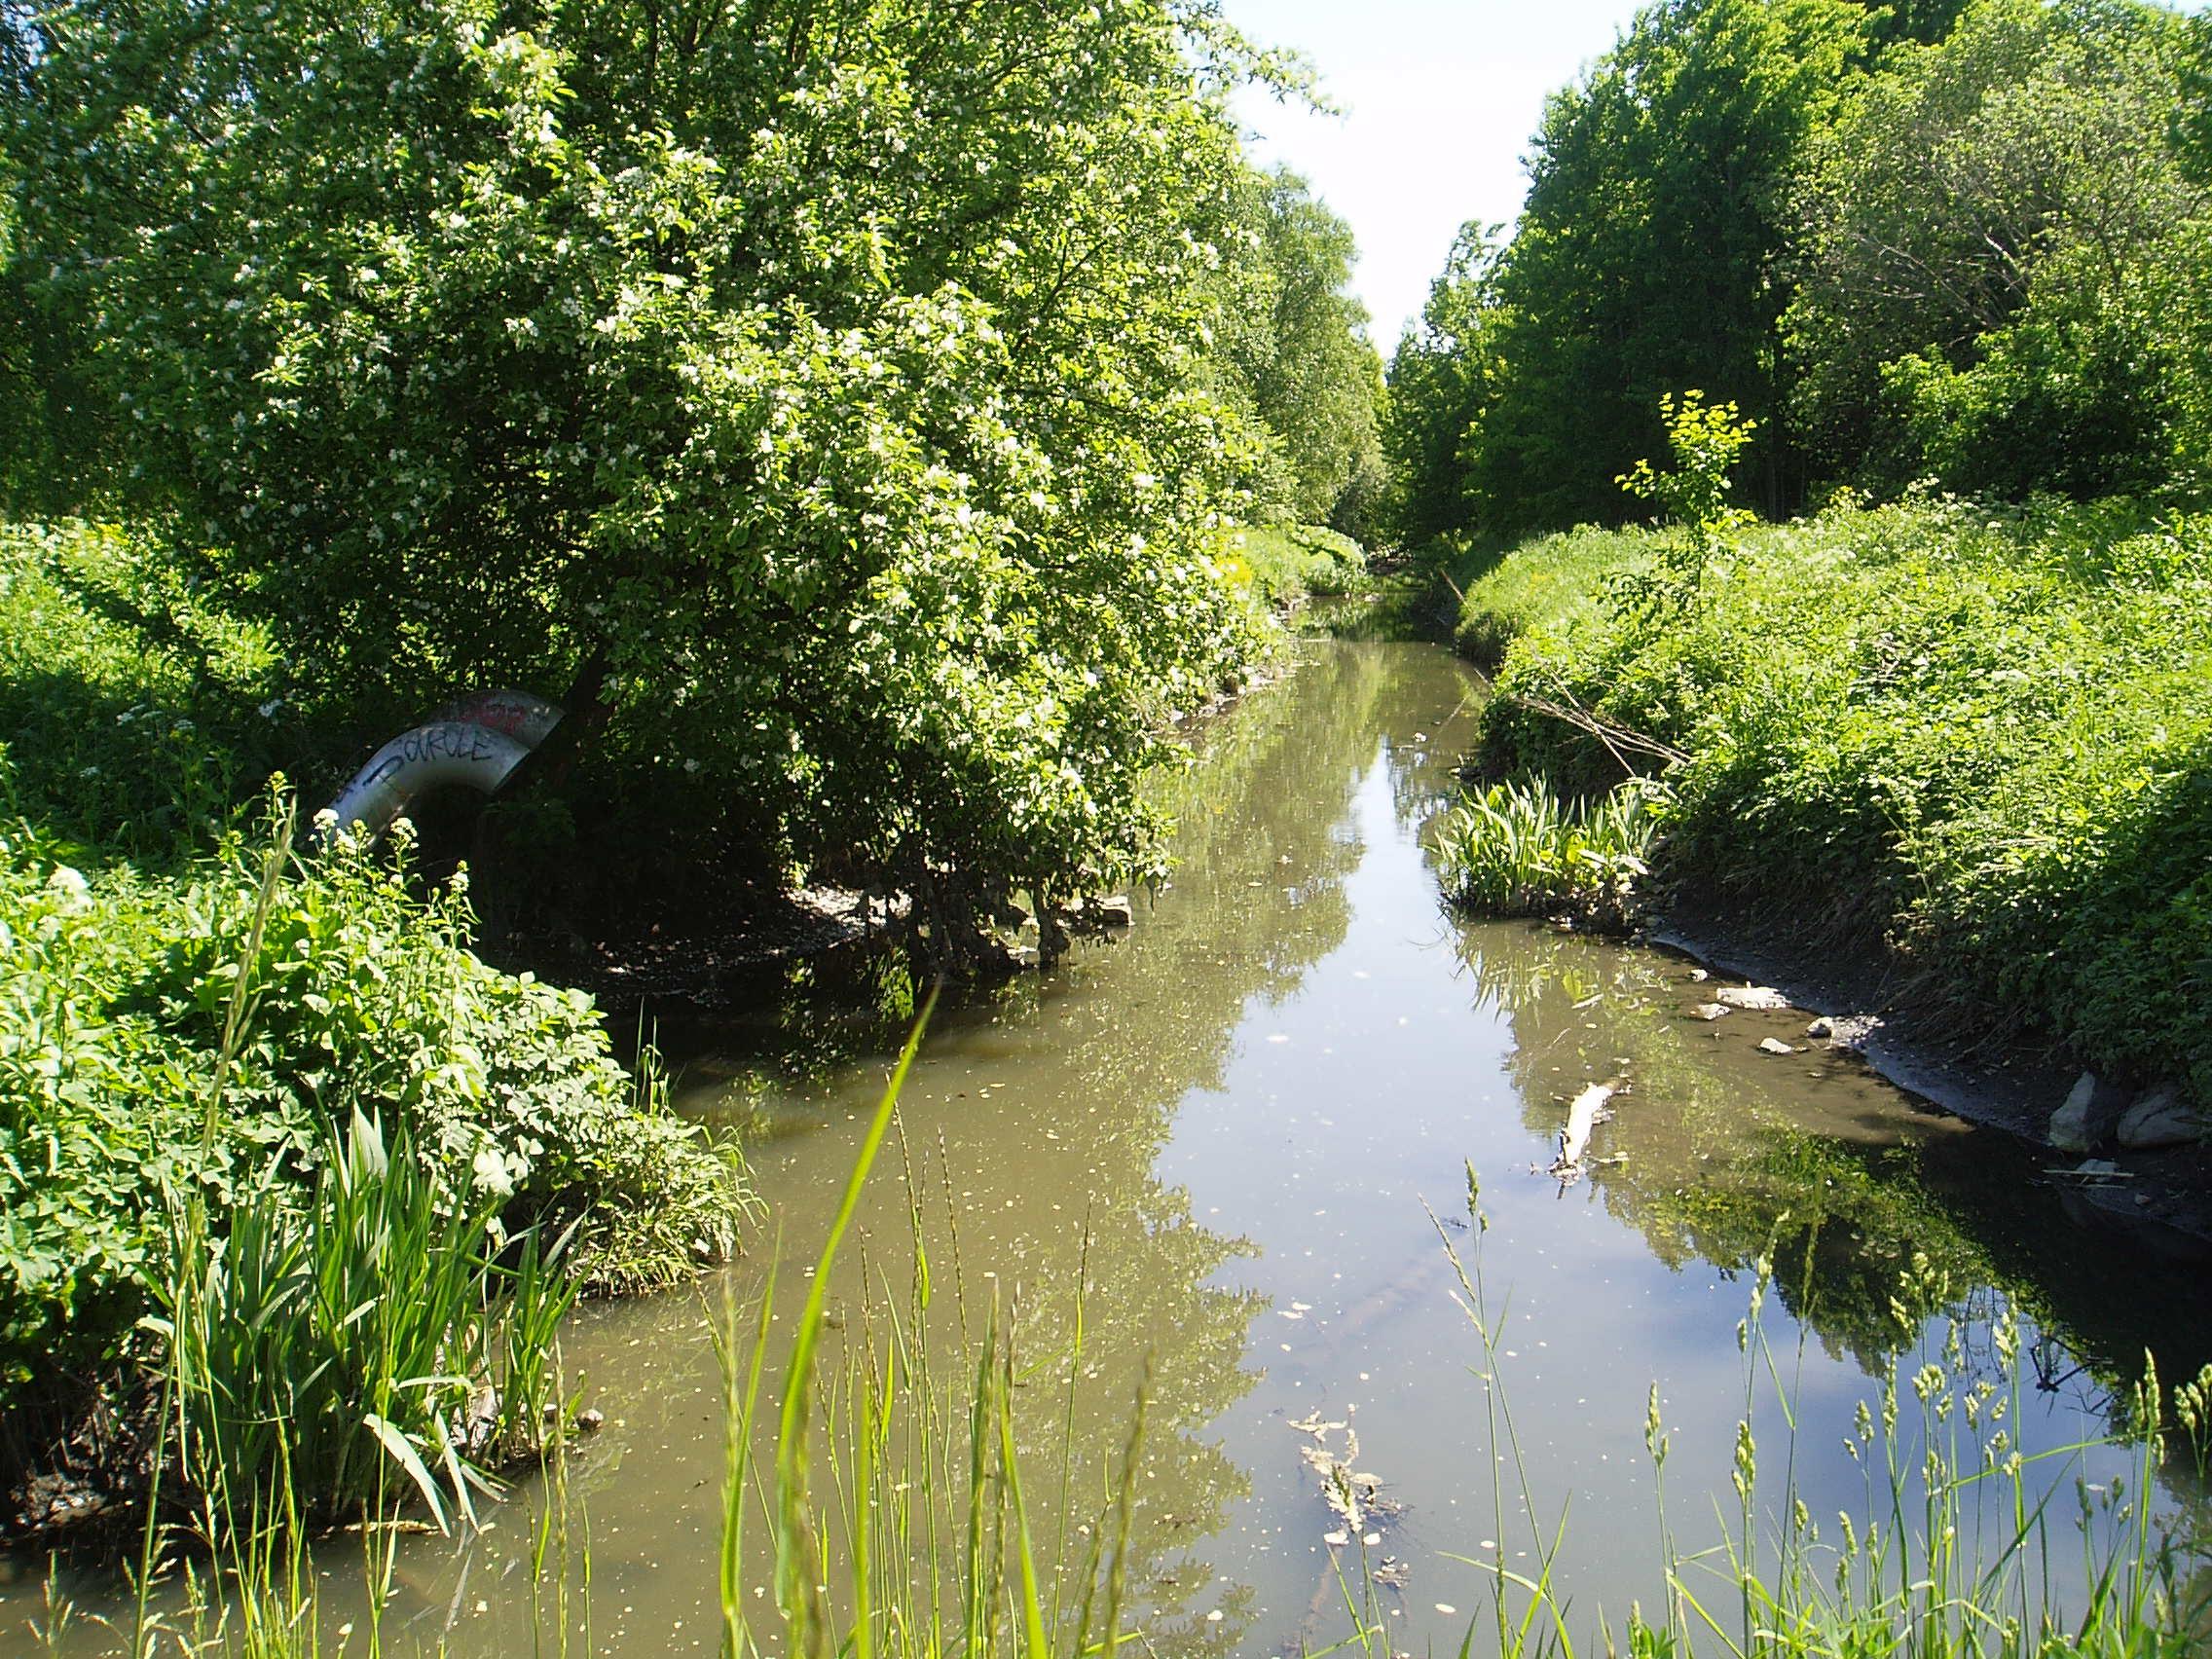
(1439, 100)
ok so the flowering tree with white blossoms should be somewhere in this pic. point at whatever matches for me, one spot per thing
(823, 377)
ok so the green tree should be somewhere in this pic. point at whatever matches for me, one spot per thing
(2002, 250)
(820, 377)
(1299, 355)
(1440, 379)
(1706, 441)
(1651, 252)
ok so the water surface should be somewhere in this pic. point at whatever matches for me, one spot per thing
(1246, 1129)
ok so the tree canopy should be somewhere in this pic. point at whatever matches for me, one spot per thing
(1954, 243)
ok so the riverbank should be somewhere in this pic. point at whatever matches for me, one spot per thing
(1954, 762)
(201, 1021)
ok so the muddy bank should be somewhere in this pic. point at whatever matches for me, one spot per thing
(1866, 1001)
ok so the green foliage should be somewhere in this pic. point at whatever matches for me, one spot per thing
(2001, 253)
(1516, 850)
(1706, 441)
(1651, 254)
(117, 1041)
(354, 1340)
(1979, 738)
(1296, 353)
(138, 714)
(1963, 242)
(1440, 376)
(834, 376)
(1549, 584)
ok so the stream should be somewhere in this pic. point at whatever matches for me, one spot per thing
(1245, 1129)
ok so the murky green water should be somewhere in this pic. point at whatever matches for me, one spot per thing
(1232, 1127)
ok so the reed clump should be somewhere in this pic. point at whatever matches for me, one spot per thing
(1518, 849)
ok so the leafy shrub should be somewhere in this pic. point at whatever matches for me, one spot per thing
(114, 1000)
(1516, 850)
(890, 507)
(1705, 439)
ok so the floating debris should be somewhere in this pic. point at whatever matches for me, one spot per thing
(2095, 1169)
(1585, 1113)
(1354, 1496)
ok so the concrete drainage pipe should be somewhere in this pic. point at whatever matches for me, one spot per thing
(478, 741)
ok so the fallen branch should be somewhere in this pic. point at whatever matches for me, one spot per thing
(1615, 736)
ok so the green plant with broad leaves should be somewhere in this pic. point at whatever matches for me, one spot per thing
(1705, 439)
(199, 1042)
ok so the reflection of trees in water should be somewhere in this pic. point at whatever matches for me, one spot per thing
(1424, 773)
(1257, 861)
(1869, 1237)
(1094, 1060)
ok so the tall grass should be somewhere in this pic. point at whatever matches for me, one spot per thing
(1515, 849)
(899, 1517)
(1958, 1549)
(398, 1326)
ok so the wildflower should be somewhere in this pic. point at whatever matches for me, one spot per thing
(492, 1172)
(72, 893)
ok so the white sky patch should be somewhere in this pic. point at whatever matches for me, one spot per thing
(1440, 102)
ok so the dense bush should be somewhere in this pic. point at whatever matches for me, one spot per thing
(159, 1161)
(1980, 737)
(115, 999)
(1296, 353)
